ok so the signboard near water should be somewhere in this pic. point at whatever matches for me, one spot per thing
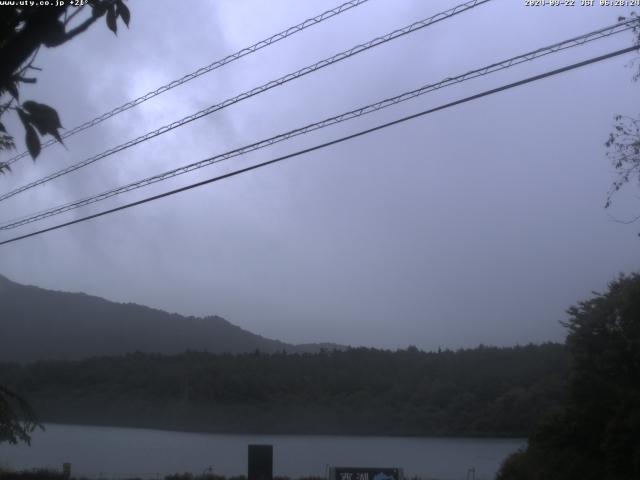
(365, 473)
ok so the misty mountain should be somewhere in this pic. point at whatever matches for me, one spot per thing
(38, 324)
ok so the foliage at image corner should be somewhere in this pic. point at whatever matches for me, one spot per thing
(23, 31)
(623, 143)
(17, 418)
(595, 434)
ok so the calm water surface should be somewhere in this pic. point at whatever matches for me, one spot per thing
(119, 452)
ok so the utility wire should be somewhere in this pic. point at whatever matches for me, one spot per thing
(504, 64)
(201, 71)
(255, 91)
(332, 142)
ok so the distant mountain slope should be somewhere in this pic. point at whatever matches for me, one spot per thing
(38, 324)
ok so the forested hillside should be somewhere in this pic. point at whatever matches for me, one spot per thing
(40, 324)
(479, 392)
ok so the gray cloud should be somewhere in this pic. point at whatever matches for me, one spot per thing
(481, 223)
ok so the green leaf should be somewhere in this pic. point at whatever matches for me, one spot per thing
(33, 142)
(111, 19)
(41, 110)
(44, 118)
(98, 8)
(123, 12)
(24, 117)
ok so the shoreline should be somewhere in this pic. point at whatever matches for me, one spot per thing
(281, 434)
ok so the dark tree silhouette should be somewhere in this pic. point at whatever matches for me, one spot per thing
(23, 31)
(17, 418)
(596, 433)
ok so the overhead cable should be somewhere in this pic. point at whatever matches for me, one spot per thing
(201, 71)
(358, 112)
(255, 91)
(327, 144)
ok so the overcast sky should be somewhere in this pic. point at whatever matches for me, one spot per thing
(482, 223)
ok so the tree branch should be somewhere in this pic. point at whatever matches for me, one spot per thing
(18, 48)
(70, 17)
(77, 30)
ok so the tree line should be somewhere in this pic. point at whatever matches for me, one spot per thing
(486, 391)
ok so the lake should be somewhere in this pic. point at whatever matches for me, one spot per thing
(124, 452)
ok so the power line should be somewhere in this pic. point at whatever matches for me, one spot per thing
(332, 142)
(510, 62)
(255, 91)
(201, 71)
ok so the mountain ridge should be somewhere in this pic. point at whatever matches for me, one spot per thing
(43, 324)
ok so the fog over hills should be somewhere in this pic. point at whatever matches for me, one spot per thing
(38, 324)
